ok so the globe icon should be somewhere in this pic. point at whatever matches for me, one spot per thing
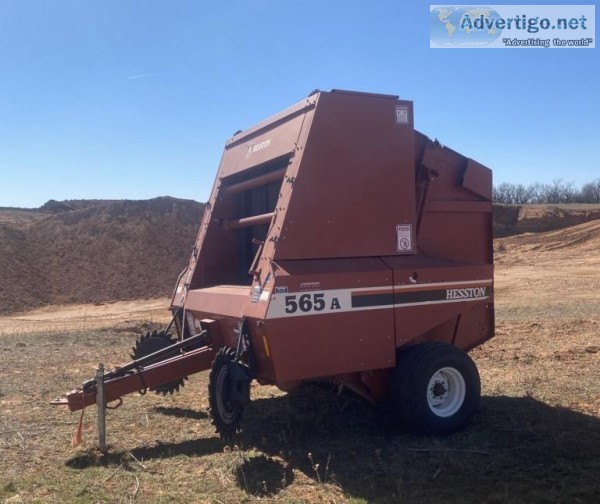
(455, 26)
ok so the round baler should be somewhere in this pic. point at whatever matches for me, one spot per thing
(338, 244)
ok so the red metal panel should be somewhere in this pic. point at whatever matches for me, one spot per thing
(275, 139)
(350, 192)
(435, 305)
(331, 338)
(272, 122)
(478, 179)
(327, 345)
(224, 300)
(475, 326)
(457, 222)
(457, 236)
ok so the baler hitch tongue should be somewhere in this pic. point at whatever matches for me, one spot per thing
(150, 371)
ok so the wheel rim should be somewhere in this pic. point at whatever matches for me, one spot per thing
(446, 392)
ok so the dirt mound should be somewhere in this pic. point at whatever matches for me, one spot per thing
(515, 219)
(95, 251)
(571, 244)
(56, 206)
(582, 236)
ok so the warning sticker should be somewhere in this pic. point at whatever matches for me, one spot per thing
(404, 237)
(401, 114)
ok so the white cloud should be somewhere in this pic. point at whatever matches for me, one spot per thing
(140, 76)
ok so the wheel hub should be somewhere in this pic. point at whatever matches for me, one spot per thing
(446, 392)
(439, 391)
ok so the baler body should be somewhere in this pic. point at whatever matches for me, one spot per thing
(340, 234)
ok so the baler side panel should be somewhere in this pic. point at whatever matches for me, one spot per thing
(311, 340)
(475, 326)
(428, 294)
(457, 221)
(350, 192)
(321, 346)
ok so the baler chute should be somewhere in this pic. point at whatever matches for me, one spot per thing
(339, 243)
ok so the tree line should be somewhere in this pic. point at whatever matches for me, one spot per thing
(559, 191)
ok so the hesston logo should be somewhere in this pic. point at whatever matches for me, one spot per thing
(470, 293)
(259, 146)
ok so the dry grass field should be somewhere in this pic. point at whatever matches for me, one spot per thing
(535, 438)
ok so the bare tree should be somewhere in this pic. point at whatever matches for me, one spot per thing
(503, 193)
(538, 192)
(522, 194)
(559, 191)
(590, 192)
(516, 194)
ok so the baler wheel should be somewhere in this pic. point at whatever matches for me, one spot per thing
(153, 342)
(228, 392)
(435, 389)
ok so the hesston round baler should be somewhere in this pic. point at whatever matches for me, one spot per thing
(338, 244)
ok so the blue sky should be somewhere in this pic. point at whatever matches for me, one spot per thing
(136, 98)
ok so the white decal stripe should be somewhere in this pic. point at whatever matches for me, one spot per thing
(340, 300)
(443, 284)
(423, 286)
(271, 315)
(402, 305)
(444, 301)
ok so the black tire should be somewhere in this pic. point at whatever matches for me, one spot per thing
(153, 342)
(434, 389)
(226, 410)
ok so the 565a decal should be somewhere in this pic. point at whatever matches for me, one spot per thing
(309, 302)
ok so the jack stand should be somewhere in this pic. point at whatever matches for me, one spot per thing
(101, 404)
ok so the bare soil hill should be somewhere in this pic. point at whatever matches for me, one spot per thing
(93, 251)
(516, 219)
